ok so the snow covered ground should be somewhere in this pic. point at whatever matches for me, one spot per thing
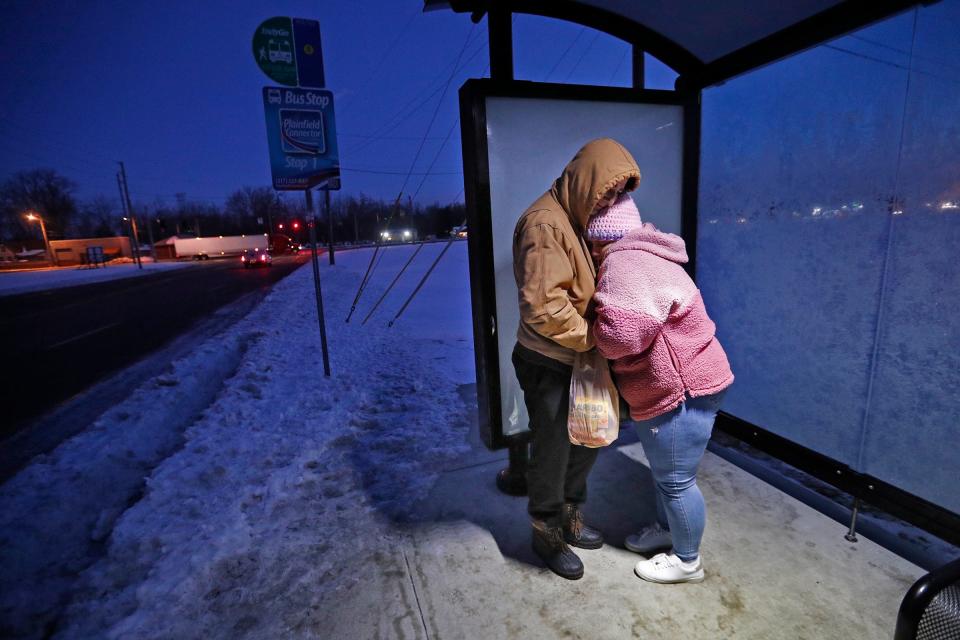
(12, 282)
(239, 491)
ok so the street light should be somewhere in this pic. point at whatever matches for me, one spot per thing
(31, 216)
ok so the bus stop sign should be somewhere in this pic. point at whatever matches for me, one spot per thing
(273, 49)
(301, 132)
(288, 50)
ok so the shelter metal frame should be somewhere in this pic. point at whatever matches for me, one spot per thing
(693, 76)
(476, 169)
(694, 73)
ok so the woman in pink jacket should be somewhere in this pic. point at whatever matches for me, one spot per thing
(670, 369)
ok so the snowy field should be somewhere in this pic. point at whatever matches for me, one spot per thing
(240, 493)
(12, 282)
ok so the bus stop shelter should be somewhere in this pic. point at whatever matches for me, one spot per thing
(819, 204)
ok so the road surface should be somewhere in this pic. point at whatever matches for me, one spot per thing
(56, 343)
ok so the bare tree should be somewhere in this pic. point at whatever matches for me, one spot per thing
(97, 218)
(43, 191)
(249, 203)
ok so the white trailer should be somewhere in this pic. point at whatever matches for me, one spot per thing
(207, 247)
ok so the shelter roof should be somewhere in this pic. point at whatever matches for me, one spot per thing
(704, 40)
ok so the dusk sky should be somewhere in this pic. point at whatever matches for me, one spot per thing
(173, 90)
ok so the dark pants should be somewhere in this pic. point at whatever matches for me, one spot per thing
(558, 470)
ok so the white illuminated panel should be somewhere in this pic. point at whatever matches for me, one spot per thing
(529, 143)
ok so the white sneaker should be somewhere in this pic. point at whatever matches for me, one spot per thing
(667, 568)
(651, 537)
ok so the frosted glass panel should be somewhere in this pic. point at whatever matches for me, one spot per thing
(798, 165)
(529, 143)
(913, 433)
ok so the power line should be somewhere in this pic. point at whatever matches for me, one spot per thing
(387, 51)
(402, 173)
(367, 136)
(585, 51)
(394, 121)
(440, 150)
(436, 111)
(916, 56)
(565, 52)
(892, 64)
(371, 266)
(623, 59)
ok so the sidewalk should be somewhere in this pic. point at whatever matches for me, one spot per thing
(775, 567)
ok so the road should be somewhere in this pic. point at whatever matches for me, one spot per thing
(54, 344)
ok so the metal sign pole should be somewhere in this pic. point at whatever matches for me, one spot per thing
(316, 280)
(326, 205)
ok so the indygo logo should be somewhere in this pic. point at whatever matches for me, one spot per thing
(301, 131)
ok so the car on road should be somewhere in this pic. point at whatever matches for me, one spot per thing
(256, 258)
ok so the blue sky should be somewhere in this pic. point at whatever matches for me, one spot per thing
(173, 90)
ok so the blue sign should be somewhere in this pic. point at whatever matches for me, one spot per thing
(309, 55)
(302, 136)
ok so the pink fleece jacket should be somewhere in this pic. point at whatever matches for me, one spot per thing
(652, 325)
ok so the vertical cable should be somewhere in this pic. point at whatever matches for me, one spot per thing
(874, 355)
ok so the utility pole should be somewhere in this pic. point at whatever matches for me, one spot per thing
(153, 250)
(270, 219)
(126, 190)
(133, 217)
(356, 226)
(125, 202)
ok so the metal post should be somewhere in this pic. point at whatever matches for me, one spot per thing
(500, 34)
(638, 67)
(851, 535)
(513, 479)
(326, 205)
(312, 221)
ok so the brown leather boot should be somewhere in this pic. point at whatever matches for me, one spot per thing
(548, 543)
(575, 532)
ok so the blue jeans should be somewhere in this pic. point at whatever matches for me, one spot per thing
(674, 443)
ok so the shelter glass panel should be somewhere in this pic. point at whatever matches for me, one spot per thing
(913, 430)
(799, 164)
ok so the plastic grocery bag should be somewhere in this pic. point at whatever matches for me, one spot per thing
(594, 417)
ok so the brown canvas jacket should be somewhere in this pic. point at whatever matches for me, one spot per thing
(551, 261)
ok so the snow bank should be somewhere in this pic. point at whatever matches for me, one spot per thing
(13, 282)
(287, 489)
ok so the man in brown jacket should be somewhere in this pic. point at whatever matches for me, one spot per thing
(556, 278)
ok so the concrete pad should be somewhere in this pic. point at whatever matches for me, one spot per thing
(775, 567)
(379, 603)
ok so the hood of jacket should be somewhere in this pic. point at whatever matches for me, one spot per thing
(598, 166)
(650, 239)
